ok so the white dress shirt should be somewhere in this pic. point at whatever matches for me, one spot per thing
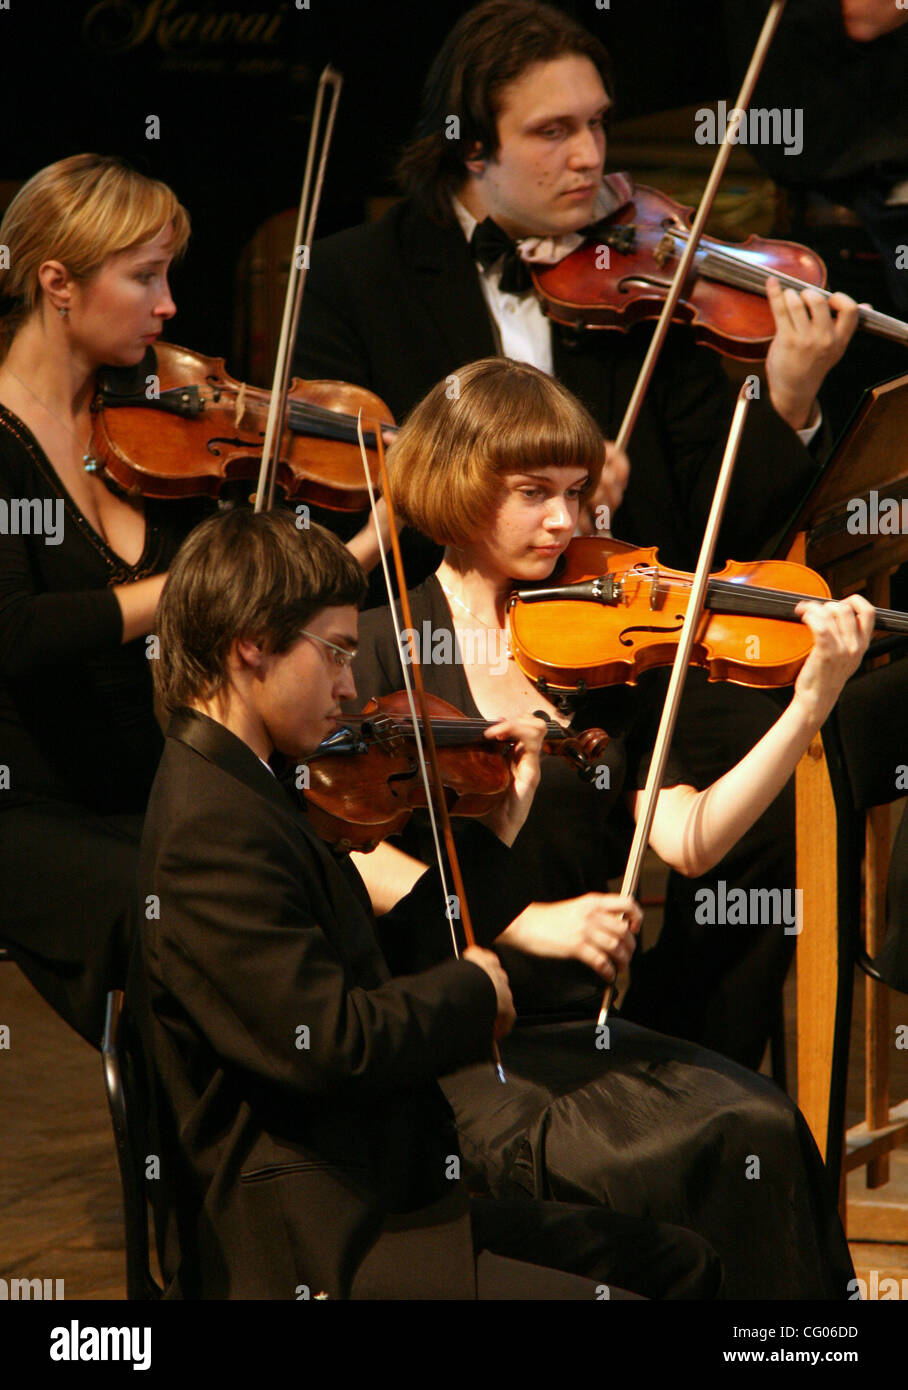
(523, 331)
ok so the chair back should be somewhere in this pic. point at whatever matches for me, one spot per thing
(129, 1107)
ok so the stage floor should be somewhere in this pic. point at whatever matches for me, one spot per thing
(60, 1210)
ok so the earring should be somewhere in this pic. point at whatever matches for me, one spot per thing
(63, 311)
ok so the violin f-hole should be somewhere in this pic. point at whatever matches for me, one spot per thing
(408, 776)
(626, 637)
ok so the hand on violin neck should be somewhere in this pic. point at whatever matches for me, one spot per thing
(526, 734)
(599, 929)
(841, 634)
(812, 333)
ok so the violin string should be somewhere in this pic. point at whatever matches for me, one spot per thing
(733, 268)
(680, 584)
(298, 412)
(766, 598)
(451, 727)
(780, 599)
(719, 262)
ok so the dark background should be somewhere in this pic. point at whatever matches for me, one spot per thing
(233, 85)
(233, 82)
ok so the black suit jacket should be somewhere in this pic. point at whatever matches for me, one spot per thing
(396, 306)
(304, 1139)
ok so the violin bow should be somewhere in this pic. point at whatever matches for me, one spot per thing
(767, 33)
(296, 283)
(416, 694)
(679, 670)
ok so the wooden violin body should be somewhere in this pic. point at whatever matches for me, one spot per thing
(620, 277)
(626, 613)
(180, 426)
(364, 782)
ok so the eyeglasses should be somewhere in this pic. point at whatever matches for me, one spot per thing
(342, 656)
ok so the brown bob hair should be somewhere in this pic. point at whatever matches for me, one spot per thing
(79, 211)
(490, 418)
(488, 48)
(243, 574)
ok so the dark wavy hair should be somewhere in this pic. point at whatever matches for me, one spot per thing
(488, 48)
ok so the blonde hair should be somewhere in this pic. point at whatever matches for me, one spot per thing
(489, 418)
(79, 211)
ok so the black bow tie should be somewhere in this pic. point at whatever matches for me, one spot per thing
(488, 244)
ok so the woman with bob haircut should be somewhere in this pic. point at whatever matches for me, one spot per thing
(493, 465)
(90, 245)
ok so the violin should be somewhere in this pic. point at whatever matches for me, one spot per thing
(363, 781)
(194, 429)
(617, 612)
(724, 299)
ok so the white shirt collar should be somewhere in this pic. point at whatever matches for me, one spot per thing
(468, 223)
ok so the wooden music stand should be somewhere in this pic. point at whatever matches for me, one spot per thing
(869, 464)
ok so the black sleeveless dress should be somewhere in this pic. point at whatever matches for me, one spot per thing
(644, 1124)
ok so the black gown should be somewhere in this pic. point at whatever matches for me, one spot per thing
(648, 1125)
(79, 742)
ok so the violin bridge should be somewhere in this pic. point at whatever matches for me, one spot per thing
(621, 238)
(664, 251)
(385, 733)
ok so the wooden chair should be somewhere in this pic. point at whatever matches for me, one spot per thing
(261, 284)
(129, 1107)
(862, 744)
